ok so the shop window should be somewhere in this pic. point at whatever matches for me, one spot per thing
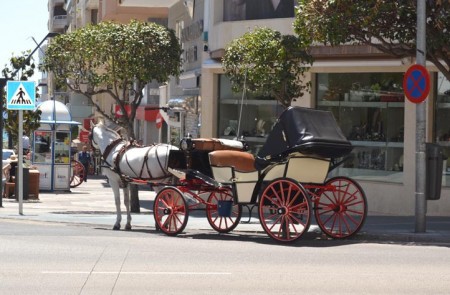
(42, 143)
(259, 113)
(62, 148)
(369, 108)
(442, 126)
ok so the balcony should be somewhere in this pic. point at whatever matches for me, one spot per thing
(59, 23)
(222, 33)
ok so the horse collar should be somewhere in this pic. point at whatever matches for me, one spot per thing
(110, 147)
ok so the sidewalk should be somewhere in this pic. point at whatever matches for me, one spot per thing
(92, 203)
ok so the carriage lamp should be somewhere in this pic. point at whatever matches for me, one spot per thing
(186, 143)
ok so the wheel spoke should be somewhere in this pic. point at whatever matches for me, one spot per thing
(222, 224)
(341, 212)
(170, 211)
(284, 210)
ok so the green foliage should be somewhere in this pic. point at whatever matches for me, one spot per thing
(23, 66)
(268, 63)
(118, 59)
(389, 26)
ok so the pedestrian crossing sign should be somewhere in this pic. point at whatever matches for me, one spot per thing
(21, 95)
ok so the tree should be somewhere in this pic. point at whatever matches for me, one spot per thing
(267, 62)
(118, 60)
(24, 67)
(389, 26)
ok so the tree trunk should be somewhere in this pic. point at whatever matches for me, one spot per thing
(134, 198)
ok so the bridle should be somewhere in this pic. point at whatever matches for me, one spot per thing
(108, 148)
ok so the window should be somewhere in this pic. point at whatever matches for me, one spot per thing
(369, 108)
(259, 113)
(442, 127)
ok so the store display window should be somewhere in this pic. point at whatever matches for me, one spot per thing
(62, 148)
(259, 113)
(442, 126)
(42, 147)
(369, 108)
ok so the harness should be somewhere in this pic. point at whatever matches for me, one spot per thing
(121, 154)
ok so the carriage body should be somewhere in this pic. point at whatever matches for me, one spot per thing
(287, 180)
(228, 169)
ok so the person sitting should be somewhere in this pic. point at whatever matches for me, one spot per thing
(9, 173)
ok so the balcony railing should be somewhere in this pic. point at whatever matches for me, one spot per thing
(59, 23)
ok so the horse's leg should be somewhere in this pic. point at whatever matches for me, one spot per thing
(114, 183)
(126, 200)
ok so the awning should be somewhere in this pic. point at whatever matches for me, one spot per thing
(143, 113)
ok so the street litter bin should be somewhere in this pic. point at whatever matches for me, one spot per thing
(25, 183)
(434, 165)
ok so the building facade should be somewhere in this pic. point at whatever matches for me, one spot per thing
(361, 86)
(363, 89)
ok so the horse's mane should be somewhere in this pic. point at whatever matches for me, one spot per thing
(111, 127)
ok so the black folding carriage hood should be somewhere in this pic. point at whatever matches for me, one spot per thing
(307, 131)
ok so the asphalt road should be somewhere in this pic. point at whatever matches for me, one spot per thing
(45, 258)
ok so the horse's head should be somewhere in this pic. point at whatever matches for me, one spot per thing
(95, 133)
(101, 136)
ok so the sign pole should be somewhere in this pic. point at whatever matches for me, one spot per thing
(21, 95)
(2, 91)
(20, 183)
(421, 202)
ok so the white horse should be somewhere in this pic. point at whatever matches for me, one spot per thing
(128, 162)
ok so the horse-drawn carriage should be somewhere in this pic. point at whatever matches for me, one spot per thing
(287, 181)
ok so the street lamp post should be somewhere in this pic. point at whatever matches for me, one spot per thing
(3, 82)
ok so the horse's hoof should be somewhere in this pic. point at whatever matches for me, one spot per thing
(127, 227)
(116, 227)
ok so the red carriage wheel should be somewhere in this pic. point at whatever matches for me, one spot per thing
(285, 210)
(170, 211)
(77, 173)
(340, 212)
(222, 213)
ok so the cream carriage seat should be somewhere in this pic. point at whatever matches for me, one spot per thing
(233, 166)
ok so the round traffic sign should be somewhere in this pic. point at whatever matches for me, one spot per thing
(416, 83)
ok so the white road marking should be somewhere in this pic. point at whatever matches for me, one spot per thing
(188, 273)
